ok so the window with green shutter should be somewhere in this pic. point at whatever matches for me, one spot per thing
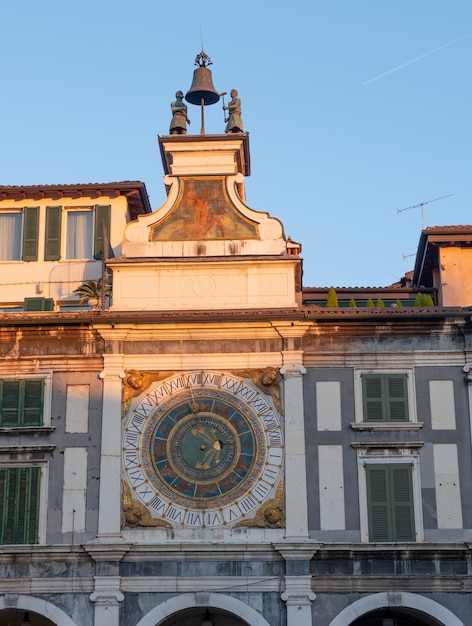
(385, 397)
(21, 402)
(30, 233)
(10, 235)
(390, 502)
(19, 504)
(52, 244)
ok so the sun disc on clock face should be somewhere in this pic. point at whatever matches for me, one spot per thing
(203, 442)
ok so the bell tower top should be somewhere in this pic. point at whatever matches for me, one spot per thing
(205, 248)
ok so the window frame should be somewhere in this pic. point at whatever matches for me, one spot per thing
(385, 399)
(389, 456)
(68, 211)
(18, 213)
(360, 423)
(22, 490)
(28, 235)
(100, 213)
(383, 498)
(43, 465)
(46, 409)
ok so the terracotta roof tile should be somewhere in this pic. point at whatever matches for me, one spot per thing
(448, 230)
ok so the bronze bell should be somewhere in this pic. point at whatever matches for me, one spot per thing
(202, 90)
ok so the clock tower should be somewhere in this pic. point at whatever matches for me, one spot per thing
(205, 284)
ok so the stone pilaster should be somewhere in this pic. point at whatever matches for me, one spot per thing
(107, 598)
(298, 597)
(109, 516)
(295, 466)
(467, 369)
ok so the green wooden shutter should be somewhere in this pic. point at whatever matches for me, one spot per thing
(373, 398)
(385, 397)
(378, 502)
(9, 403)
(33, 402)
(390, 502)
(19, 500)
(52, 246)
(21, 403)
(397, 397)
(30, 233)
(102, 222)
(402, 503)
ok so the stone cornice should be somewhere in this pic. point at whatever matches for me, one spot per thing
(189, 584)
(376, 584)
(416, 317)
(303, 551)
(221, 552)
(384, 426)
(26, 448)
(27, 430)
(106, 551)
(365, 445)
(44, 585)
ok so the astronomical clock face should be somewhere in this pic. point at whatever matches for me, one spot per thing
(203, 449)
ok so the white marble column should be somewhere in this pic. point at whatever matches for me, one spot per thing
(298, 597)
(296, 504)
(109, 515)
(107, 597)
(467, 369)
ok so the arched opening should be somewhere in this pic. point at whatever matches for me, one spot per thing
(201, 616)
(408, 609)
(194, 609)
(20, 617)
(396, 617)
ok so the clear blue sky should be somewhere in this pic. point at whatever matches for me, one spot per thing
(355, 108)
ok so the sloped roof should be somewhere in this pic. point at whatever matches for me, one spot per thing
(427, 255)
(135, 192)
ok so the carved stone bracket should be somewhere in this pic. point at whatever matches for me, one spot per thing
(292, 370)
(271, 515)
(136, 514)
(467, 369)
(298, 591)
(107, 591)
(136, 382)
(268, 380)
(111, 373)
(112, 367)
(107, 598)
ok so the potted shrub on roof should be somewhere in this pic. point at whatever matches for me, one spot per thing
(91, 292)
(423, 299)
(332, 300)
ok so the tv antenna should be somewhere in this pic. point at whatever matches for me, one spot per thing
(422, 205)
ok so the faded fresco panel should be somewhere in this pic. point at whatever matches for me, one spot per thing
(203, 210)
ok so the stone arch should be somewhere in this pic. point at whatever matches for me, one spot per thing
(406, 599)
(213, 600)
(40, 606)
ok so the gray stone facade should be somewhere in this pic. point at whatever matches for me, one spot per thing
(344, 433)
